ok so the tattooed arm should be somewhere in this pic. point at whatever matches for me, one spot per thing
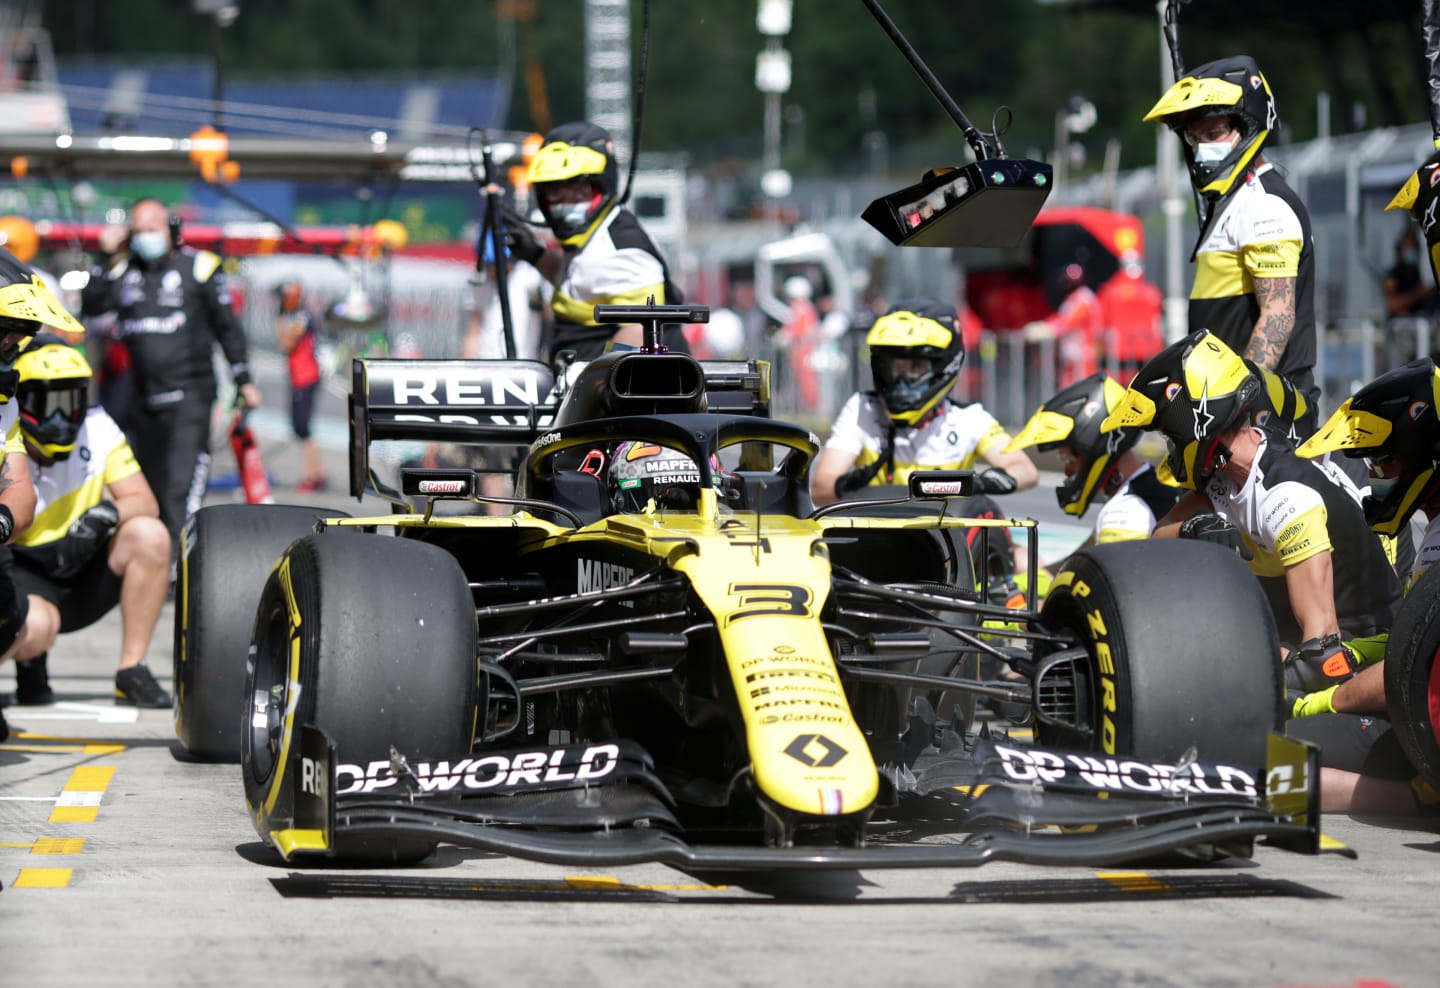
(1276, 322)
(17, 491)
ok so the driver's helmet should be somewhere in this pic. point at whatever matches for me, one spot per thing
(54, 395)
(1418, 197)
(915, 357)
(1072, 418)
(1193, 392)
(576, 152)
(1229, 87)
(640, 472)
(1390, 421)
(26, 307)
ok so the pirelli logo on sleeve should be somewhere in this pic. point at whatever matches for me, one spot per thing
(1304, 537)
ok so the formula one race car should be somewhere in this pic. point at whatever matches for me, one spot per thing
(665, 653)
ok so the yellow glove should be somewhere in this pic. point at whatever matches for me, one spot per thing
(1309, 704)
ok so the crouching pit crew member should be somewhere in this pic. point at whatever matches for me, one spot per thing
(1300, 527)
(26, 307)
(97, 539)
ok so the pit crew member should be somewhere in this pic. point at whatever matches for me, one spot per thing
(1254, 261)
(605, 256)
(908, 422)
(1095, 465)
(97, 539)
(26, 307)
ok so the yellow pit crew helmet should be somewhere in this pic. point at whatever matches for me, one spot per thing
(1192, 392)
(26, 307)
(572, 151)
(915, 355)
(1229, 87)
(54, 395)
(1392, 422)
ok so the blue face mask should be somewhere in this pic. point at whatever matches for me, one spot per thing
(150, 244)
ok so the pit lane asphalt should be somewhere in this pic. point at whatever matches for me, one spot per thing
(122, 863)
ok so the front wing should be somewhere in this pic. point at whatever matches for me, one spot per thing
(1023, 804)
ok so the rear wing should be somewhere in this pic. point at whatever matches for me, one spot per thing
(495, 402)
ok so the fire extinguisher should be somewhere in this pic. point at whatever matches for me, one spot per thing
(253, 478)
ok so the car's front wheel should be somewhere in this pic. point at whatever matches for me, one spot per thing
(371, 639)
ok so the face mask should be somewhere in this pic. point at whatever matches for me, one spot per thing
(570, 215)
(150, 244)
(1212, 152)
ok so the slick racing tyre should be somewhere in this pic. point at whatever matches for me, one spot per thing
(226, 551)
(1412, 676)
(386, 659)
(1181, 651)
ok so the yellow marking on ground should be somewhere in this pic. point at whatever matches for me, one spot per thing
(26, 844)
(82, 745)
(79, 801)
(602, 882)
(1133, 881)
(42, 878)
(90, 778)
(58, 845)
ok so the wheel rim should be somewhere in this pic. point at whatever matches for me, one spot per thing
(269, 694)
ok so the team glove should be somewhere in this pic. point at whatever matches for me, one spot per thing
(1210, 527)
(1320, 663)
(7, 524)
(1309, 704)
(87, 536)
(519, 237)
(994, 480)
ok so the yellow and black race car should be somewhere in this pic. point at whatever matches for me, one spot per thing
(666, 653)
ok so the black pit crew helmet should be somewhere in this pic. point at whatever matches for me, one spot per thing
(1420, 196)
(1193, 392)
(915, 356)
(579, 151)
(1391, 421)
(54, 396)
(1229, 87)
(1072, 418)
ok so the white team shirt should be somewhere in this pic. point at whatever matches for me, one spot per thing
(1125, 516)
(68, 488)
(951, 440)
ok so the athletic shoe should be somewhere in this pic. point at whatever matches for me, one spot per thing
(32, 682)
(311, 486)
(136, 686)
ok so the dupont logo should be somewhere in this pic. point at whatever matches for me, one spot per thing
(444, 487)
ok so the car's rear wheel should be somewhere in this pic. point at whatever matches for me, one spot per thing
(377, 635)
(226, 550)
(1412, 676)
(1180, 651)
